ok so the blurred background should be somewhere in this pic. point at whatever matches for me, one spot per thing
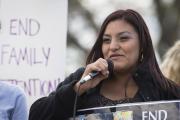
(86, 16)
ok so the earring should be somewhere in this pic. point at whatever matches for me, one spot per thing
(142, 57)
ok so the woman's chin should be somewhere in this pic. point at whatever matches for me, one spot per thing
(123, 68)
(119, 69)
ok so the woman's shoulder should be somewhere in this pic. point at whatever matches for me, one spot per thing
(7, 89)
(13, 101)
(75, 75)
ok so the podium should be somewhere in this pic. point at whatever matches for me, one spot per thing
(160, 110)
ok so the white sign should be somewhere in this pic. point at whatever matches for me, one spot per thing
(32, 44)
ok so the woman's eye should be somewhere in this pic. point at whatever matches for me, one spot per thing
(106, 40)
(124, 38)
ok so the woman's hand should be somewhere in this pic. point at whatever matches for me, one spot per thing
(101, 66)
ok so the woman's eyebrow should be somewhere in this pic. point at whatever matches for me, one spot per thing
(119, 34)
(106, 35)
(125, 33)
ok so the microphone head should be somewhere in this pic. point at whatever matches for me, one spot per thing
(110, 67)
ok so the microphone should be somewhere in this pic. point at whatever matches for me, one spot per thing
(96, 73)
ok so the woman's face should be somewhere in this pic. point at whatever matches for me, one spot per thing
(121, 45)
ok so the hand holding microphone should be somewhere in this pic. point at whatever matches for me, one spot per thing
(94, 74)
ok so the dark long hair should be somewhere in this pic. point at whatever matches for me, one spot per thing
(146, 48)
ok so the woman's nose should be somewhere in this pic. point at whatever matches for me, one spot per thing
(114, 45)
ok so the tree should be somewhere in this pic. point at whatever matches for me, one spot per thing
(169, 20)
(168, 14)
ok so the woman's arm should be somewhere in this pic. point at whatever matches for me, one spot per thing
(59, 104)
(20, 111)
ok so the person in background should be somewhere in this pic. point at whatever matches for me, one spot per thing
(13, 104)
(125, 40)
(171, 63)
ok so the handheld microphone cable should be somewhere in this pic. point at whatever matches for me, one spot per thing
(75, 103)
(89, 77)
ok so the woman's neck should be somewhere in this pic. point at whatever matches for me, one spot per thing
(121, 79)
(119, 87)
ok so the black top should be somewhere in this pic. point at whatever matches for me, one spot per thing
(59, 104)
(103, 101)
